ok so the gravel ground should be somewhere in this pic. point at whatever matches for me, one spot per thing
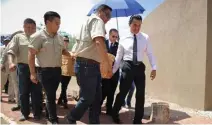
(4, 122)
(176, 108)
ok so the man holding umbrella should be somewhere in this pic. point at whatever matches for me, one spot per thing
(90, 50)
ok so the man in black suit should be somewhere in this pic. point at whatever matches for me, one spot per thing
(109, 85)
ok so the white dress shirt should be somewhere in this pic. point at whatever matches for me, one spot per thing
(109, 43)
(125, 50)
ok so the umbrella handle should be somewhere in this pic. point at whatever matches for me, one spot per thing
(117, 23)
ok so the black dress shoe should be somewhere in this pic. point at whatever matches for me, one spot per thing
(109, 113)
(65, 105)
(23, 118)
(11, 101)
(70, 121)
(55, 122)
(137, 122)
(59, 102)
(52, 122)
(46, 114)
(16, 108)
(76, 99)
(37, 118)
(129, 106)
(116, 119)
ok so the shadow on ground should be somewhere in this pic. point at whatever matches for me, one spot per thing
(126, 115)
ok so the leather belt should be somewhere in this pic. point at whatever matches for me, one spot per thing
(131, 62)
(86, 60)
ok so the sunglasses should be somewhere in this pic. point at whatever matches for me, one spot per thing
(114, 36)
(66, 40)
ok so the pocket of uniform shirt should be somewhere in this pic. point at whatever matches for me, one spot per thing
(23, 45)
(24, 42)
(59, 46)
(46, 45)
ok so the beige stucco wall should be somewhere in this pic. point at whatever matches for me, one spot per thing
(178, 33)
(208, 87)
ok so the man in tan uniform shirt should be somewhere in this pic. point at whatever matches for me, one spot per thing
(19, 49)
(45, 53)
(90, 50)
(5, 74)
(4, 66)
(13, 81)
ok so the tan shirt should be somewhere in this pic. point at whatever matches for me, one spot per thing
(2, 49)
(85, 46)
(4, 59)
(49, 49)
(19, 47)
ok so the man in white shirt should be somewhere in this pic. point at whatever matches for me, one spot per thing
(131, 50)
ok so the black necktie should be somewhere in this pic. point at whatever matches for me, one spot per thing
(111, 46)
(135, 50)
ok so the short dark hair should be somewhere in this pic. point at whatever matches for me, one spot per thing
(29, 21)
(111, 30)
(50, 15)
(103, 7)
(137, 17)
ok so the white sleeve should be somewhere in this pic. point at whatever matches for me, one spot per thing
(119, 56)
(150, 55)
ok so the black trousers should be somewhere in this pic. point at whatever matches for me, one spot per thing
(130, 73)
(64, 84)
(108, 90)
(6, 86)
(27, 88)
(50, 79)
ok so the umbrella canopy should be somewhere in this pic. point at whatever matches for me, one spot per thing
(121, 8)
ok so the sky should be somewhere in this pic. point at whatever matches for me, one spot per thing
(72, 12)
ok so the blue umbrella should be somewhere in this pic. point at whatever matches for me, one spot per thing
(121, 8)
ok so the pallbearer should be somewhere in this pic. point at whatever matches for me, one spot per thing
(45, 53)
